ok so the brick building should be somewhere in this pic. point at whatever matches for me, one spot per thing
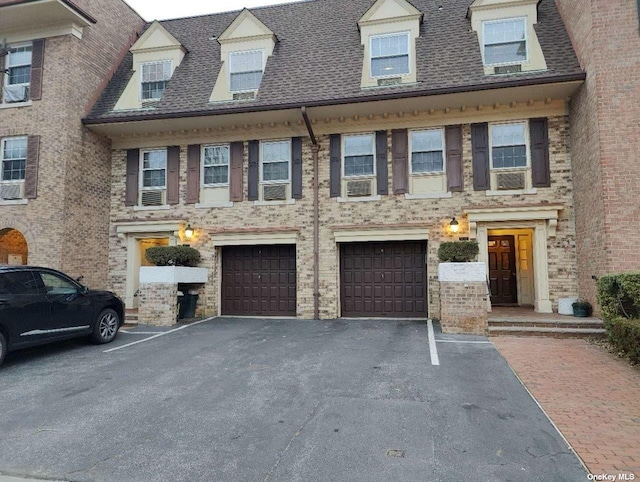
(605, 140)
(55, 173)
(322, 167)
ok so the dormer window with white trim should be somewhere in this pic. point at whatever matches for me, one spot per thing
(245, 70)
(390, 55)
(154, 79)
(505, 41)
(18, 74)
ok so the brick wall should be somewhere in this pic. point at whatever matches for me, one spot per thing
(391, 210)
(464, 308)
(605, 121)
(66, 227)
(158, 304)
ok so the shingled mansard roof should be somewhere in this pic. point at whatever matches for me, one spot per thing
(318, 59)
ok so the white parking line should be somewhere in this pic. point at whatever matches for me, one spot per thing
(465, 341)
(138, 333)
(432, 344)
(156, 336)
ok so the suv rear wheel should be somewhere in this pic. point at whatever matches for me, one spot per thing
(106, 327)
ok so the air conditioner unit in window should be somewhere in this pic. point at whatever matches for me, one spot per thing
(16, 93)
(244, 96)
(359, 188)
(507, 69)
(511, 180)
(276, 192)
(152, 198)
(10, 192)
(389, 81)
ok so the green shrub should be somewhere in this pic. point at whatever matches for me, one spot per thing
(619, 299)
(173, 256)
(458, 251)
(625, 335)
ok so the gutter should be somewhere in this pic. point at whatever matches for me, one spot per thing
(315, 148)
(68, 3)
(245, 109)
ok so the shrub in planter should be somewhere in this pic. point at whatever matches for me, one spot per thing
(173, 256)
(582, 309)
(458, 251)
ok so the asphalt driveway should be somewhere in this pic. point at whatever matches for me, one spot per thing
(261, 400)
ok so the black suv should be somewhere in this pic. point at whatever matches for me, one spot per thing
(41, 305)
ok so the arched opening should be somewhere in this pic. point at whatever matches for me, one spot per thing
(13, 247)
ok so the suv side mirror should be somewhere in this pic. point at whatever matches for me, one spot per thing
(84, 290)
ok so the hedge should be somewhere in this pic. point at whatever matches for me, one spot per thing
(458, 251)
(619, 299)
(173, 256)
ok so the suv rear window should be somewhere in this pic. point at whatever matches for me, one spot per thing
(18, 283)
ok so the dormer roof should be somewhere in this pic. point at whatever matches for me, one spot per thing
(383, 11)
(246, 26)
(156, 37)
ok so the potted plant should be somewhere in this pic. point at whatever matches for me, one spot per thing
(582, 309)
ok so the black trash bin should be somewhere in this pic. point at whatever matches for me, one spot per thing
(190, 302)
(182, 306)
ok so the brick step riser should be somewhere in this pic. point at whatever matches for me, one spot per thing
(547, 334)
(544, 324)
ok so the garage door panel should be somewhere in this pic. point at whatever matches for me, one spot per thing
(259, 280)
(384, 279)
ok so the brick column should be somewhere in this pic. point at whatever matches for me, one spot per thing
(463, 298)
(158, 304)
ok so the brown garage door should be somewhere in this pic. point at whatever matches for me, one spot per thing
(259, 280)
(384, 279)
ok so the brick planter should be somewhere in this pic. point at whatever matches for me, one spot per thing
(463, 298)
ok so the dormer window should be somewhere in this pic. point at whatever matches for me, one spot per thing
(154, 78)
(245, 70)
(505, 41)
(390, 55)
(18, 74)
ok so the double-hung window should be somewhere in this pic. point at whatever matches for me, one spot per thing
(154, 79)
(245, 70)
(505, 41)
(14, 158)
(427, 151)
(359, 155)
(509, 145)
(390, 55)
(216, 165)
(154, 169)
(276, 162)
(18, 74)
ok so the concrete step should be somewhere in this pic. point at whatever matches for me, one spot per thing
(546, 332)
(589, 323)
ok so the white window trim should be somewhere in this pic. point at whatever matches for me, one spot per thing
(526, 41)
(153, 62)
(274, 141)
(203, 167)
(141, 185)
(394, 34)
(237, 52)
(526, 140)
(444, 153)
(375, 156)
(2, 159)
(6, 75)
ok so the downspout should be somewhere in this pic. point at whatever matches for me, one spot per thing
(315, 148)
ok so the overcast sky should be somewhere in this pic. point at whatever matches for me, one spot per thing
(164, 9)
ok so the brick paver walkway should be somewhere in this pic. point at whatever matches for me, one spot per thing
(592, 396)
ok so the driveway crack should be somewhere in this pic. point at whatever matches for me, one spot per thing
(295, 435)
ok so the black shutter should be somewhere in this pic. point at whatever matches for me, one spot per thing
(480, 146)
(455, 178)
(235, 178)
(296, 168)
(132, 180)
(381, 162)
(335, 149)
(193, 174)
(31, 167)
(400, 150)
(254, 170)
(541, 169)
(37, 67)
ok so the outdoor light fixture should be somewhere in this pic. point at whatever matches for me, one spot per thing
(454, 225)
(188, 232)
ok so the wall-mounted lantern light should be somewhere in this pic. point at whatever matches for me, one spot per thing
(454, 225)
(189, 232)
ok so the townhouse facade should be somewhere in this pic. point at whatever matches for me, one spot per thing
(605, 122)
(55, 55)
(319, 169)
